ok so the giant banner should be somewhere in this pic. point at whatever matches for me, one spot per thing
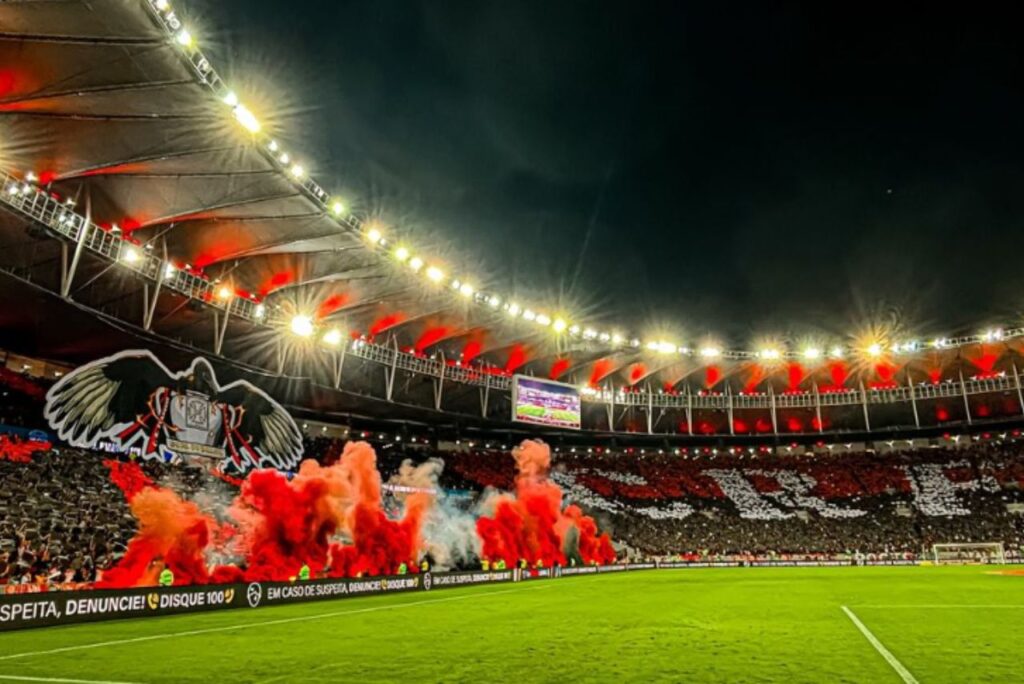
(136, 403)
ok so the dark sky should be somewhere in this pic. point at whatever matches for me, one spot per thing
(737, 169)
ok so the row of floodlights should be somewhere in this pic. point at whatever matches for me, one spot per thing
(132, 255)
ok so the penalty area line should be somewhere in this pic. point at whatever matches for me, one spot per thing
(903, 672)
(262, 623)
(26, 678)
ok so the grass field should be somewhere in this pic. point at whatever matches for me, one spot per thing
(941, 624)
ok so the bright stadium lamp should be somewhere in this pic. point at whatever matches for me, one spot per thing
(529, 315)
(338, 208)
(130, 255)
(812, 353)
(373, 235)
(416, 263)
(260, 311)
(559, 325)
(710, 352)
(836, 353)
(302, 326)
(247, 119)
(402, 253)
(874, 350)
(184, 38)
(513, 309)
(224, 293)
(466, 290)
(543, 319)
(435, 274)
(297, 171)
(494, 301)
(170, 271)
(770, 354)
(332, 337)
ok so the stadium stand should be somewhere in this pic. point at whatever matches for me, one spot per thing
(63, 518)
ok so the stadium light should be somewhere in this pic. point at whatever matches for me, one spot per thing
(770, 354)
(435, 274)
(332, 337)
(836, 353)
(302, 326)
(224, 293)
(373, 235)
(466, 290)
(402, 253)
(874, 350)
(494, 301)
(247, 119)
(184, 38)
(559, 325)
(170, 271)
(513, 309)
(260, 311)
(543, 319)
(338, 208)
(130, 255)
(297, 171)
(710, 352)
(812, 353)
(529, 315)
(416, 263)
(231, 99)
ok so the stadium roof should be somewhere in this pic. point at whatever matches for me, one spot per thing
(113, 104)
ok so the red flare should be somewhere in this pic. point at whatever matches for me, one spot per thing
(601, 369)
(558, 368)
(429, 338)
(516, 358)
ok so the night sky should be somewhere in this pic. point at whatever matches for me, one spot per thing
(742, 170)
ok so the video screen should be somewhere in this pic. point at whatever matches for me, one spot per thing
(544, 402)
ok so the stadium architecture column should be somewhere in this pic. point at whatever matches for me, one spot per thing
(485, 395)
(775, 417)
(817, 407)
(650, 410)
(68, 274)
(1016, 381)
(864, 404)
(689, 410)
(729, 409)
(963, 392)
(439, 384)
(339, 364)
(392, 370)
(913, 399)
(147, 320)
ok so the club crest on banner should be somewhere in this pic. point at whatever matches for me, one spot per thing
(135, 402)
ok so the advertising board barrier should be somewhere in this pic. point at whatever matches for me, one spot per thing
(43, 609)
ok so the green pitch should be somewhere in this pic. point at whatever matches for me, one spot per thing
(755, 625)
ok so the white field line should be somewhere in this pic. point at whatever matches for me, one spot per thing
(882, 650)
(953, 606)
(21, 678)
(263, 623)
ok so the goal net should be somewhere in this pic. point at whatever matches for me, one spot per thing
(984, 552)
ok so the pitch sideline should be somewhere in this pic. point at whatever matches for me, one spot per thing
(902, 671)
(264, 623)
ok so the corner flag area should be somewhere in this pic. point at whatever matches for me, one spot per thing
(913, 624)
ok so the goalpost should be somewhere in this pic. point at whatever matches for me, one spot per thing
(961, 553)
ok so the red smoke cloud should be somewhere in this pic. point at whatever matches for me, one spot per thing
(531, 525)
(331, 518)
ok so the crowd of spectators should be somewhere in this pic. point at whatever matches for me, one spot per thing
(890, 505)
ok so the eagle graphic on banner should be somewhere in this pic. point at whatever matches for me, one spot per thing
(134, 401)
